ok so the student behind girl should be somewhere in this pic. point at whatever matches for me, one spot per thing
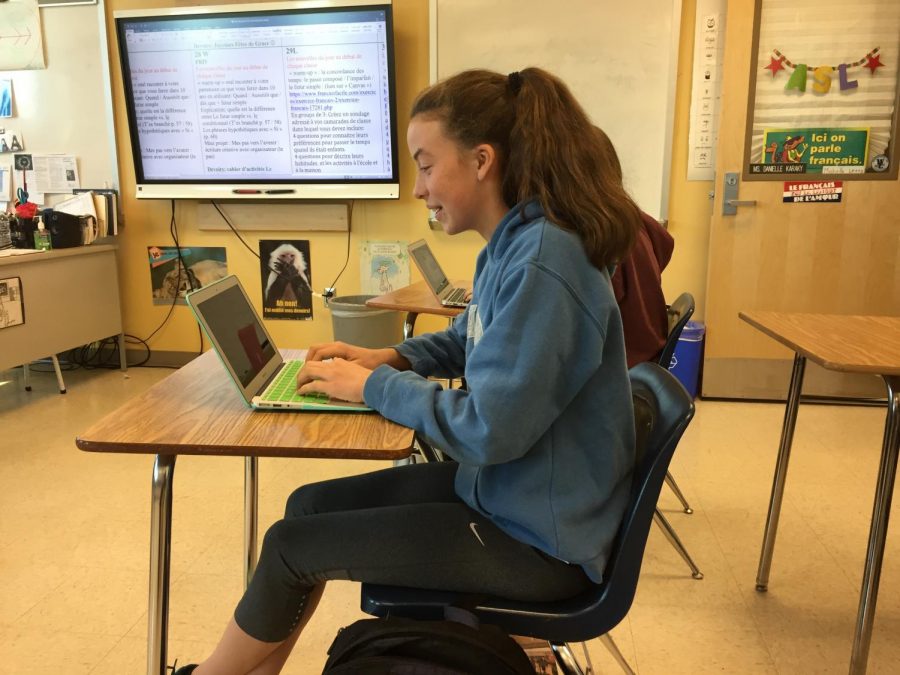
(637, 281)
(544, 435)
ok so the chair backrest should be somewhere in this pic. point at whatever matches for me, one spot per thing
(678, 313)
(663, 409)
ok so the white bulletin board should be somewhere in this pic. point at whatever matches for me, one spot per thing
(619, 59)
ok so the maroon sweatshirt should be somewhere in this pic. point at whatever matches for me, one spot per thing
(637, 285)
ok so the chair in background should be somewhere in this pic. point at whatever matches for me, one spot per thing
(663, 410)
(679, 312)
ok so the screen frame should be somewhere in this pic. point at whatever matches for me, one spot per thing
(254, 189)
(421, 247)
(195, 300)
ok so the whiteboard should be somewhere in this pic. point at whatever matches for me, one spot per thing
(67, 107)
(618, 58)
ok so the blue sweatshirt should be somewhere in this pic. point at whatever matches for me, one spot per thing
(544, 436)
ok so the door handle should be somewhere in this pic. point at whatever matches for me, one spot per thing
(730, 200)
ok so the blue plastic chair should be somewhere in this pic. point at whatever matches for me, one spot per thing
(679, 312)
(663, 410)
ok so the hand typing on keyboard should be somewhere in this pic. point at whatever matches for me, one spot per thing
(341, 370)
(336, 378)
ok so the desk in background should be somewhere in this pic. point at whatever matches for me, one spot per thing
(71, 298)
(197, 411)
(854, 344)
(414, 300)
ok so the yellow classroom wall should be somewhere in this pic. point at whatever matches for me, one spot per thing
(689, 204)
(147, 222)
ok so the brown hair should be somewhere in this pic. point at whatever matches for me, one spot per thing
(548, 150)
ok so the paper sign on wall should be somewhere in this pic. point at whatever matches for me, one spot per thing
(21, 45)
(384, 266)
(822, 150)
(285, 269)
(173, 275)
(12, 310)
(813, 191)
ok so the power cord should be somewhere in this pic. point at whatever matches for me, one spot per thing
(173, 232)
(329, 292)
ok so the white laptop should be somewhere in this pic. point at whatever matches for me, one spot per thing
(264, 378)
(446, 294)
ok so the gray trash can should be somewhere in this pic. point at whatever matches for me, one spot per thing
(357, 324)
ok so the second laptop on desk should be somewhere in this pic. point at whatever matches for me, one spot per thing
(263, 377)
(444, 291)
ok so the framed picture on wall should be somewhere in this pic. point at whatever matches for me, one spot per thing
(12, 308)
(825, 91)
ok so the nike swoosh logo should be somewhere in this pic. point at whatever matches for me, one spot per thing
(472, 527)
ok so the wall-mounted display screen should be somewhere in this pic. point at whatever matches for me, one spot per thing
(271, 100)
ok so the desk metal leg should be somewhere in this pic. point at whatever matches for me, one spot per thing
(251, 505)
(123, 357)
(58, 371)
(784, 454)
(409, 324)
(887, 472)
(160, 550)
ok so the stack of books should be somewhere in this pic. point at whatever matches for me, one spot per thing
(106, 209)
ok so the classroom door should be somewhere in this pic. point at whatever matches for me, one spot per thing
(827, 258)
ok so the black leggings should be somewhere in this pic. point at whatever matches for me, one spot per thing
(402, 526)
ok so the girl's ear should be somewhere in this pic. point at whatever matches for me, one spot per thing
(485, 160)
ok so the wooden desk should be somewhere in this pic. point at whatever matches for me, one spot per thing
(71, 298)
(856, 344)
(197, 411)
(414, 300)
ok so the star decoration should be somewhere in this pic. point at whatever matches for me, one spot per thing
(775, 64)
(873, 62)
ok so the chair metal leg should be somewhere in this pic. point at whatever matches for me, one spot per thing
(427, 451)
(25, 374)
(589, 666)
(664, 525)
(610, 644)
(59, 377)
(566, 659)
(670, 481)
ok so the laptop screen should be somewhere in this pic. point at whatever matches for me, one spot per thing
(242, 341)
(429, 267)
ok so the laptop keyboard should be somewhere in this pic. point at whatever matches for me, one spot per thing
(456, 296)
(283, 389)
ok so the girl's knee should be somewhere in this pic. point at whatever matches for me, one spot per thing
(302, 501)
(276, 538)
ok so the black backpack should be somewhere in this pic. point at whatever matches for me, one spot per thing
(395, 646)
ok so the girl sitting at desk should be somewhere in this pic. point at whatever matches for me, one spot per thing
(544, 435)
